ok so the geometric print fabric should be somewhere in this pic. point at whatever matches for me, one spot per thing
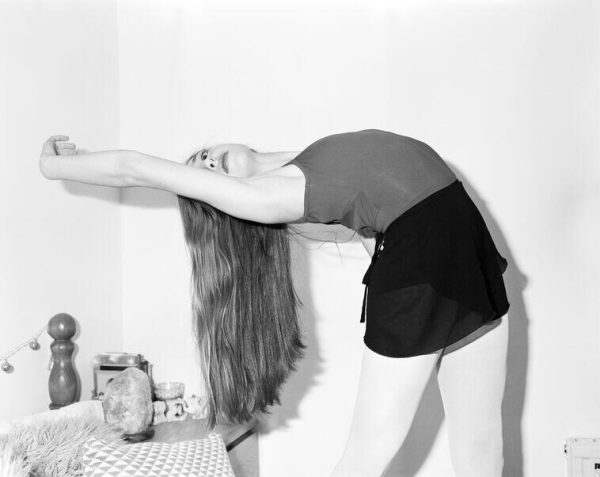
(196, 458)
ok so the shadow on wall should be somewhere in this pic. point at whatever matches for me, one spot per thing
(78, 189)
(310, 366)
(518, 343)
(430, 413)
(136, 197)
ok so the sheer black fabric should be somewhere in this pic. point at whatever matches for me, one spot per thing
(436, 278)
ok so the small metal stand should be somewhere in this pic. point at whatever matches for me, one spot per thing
(108, 365)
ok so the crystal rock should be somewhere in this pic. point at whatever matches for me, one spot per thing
(127, 403)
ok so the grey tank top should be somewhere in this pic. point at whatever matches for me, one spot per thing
(366, 179)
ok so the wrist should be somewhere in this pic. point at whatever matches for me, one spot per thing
(45, 165)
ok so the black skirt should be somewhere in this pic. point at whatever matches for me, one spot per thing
(436, 277)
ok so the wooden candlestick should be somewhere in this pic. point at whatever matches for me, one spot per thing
(63, 383)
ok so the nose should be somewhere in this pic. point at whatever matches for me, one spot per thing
(200, 161)
(209, 162)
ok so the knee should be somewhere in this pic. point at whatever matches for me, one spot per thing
(478, 454)
(370, 457)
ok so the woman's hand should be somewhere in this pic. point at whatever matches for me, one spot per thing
(53, 148)
(60, 160)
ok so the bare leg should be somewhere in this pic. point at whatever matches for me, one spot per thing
(471, 380)
(388, 395)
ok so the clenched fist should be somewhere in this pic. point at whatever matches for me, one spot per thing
(52, 147)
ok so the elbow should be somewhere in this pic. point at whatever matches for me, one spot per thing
(127, 170)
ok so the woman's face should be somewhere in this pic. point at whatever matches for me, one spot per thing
(235, 160)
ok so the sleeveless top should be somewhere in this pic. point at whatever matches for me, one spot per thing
(366, 179)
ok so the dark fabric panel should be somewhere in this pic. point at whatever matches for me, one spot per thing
(436, 278)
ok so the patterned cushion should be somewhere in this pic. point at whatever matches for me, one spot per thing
(197, 458)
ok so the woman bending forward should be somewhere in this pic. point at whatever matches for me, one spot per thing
(434, 293)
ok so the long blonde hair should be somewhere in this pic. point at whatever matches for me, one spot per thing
(244, 307)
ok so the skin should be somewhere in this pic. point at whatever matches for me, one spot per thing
(238, 160)
(231, 177)
(262, 188)
(270, 194)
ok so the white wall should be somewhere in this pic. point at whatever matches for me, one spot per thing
(506, 91)
(156, 275)
(59, 244)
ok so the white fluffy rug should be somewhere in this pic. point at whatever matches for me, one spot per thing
(12, 464)
(49, 447)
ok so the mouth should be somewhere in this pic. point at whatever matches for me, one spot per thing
(224, 161)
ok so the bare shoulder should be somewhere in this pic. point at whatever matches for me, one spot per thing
(290, 171)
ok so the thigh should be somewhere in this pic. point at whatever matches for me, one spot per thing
(471, 377)
(387, 398)
(390, 387)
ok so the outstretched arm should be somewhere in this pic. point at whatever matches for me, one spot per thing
(60, 160)
(270, 198)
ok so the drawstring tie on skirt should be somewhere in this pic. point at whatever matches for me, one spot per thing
(367, 277)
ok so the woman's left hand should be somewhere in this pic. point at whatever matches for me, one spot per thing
(52, 148)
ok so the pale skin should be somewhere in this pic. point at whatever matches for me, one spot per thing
(261, 187)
